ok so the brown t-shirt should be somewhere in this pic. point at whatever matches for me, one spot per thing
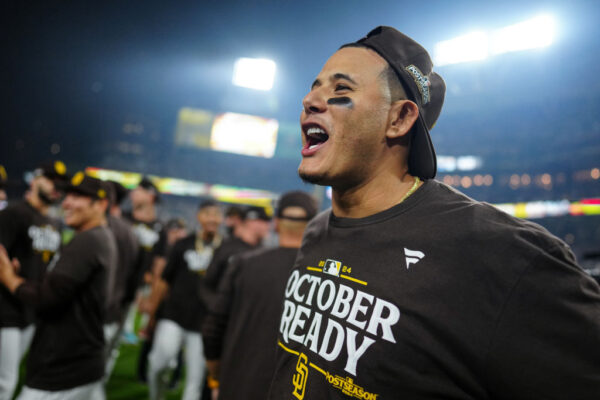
(439, 297)
(71, 303)
(184, 273)
(33, 239)
(241, 327)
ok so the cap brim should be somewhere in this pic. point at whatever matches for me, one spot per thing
(421, 159)
(78, 190)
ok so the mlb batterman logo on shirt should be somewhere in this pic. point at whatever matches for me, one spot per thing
(332, 267)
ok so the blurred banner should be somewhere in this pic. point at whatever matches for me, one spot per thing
(181, 187)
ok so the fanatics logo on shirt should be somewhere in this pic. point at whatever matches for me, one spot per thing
(413, 256)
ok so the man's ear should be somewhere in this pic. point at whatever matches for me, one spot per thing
(401, 118)
(102, 204)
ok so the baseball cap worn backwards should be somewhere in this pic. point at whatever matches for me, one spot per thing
(297, 199)
(414, 68)
(255, 212)
(88, 186)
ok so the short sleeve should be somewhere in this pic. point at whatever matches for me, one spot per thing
(547, 340)
(160, 248)
(173, 264)
(215, 324)
(75, 265)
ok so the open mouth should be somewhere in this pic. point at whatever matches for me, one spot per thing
(315, 137)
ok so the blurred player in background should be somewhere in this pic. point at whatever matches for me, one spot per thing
(120, 193)
(149, 230)
(247, 236)
(3, 180)
(233, 218)
(152, 238)
(66, 359)
(240, 330)
(176, 229)
(182, 313)
(122, 290)
(31, 237)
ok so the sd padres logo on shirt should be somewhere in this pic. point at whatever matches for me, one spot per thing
(44, 239)
(146, 236)
(198, 261)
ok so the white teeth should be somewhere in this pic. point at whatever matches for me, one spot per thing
(315, 131)
(313, 146)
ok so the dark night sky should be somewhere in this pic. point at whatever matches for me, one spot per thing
(76, 70)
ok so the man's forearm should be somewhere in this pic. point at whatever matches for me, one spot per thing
(213, 368)
(12, 282)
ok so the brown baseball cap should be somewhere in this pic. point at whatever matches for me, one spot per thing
(88, 186)
(427, 89)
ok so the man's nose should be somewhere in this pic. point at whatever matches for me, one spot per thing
(313, 102)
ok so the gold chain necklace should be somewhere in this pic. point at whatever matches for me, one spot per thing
(200, 243)
(411, 190)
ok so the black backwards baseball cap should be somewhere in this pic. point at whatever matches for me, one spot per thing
(414, 68)
(255, 212)
(297, 199)
(87, 186)
(147, 184)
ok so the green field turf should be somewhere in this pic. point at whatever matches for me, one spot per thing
(123, 383)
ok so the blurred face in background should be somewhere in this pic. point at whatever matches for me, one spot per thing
(3, 199)
(232, 221)
(45, 190)
(210, 219)
(81, 211)
(259, 228)
(174, 234)
(142, 198)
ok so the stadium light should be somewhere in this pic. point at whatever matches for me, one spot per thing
(469, 47)
(254, 73)
(531, 34)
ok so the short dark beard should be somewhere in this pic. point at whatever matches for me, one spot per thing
(314, 179)
(46, 198)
